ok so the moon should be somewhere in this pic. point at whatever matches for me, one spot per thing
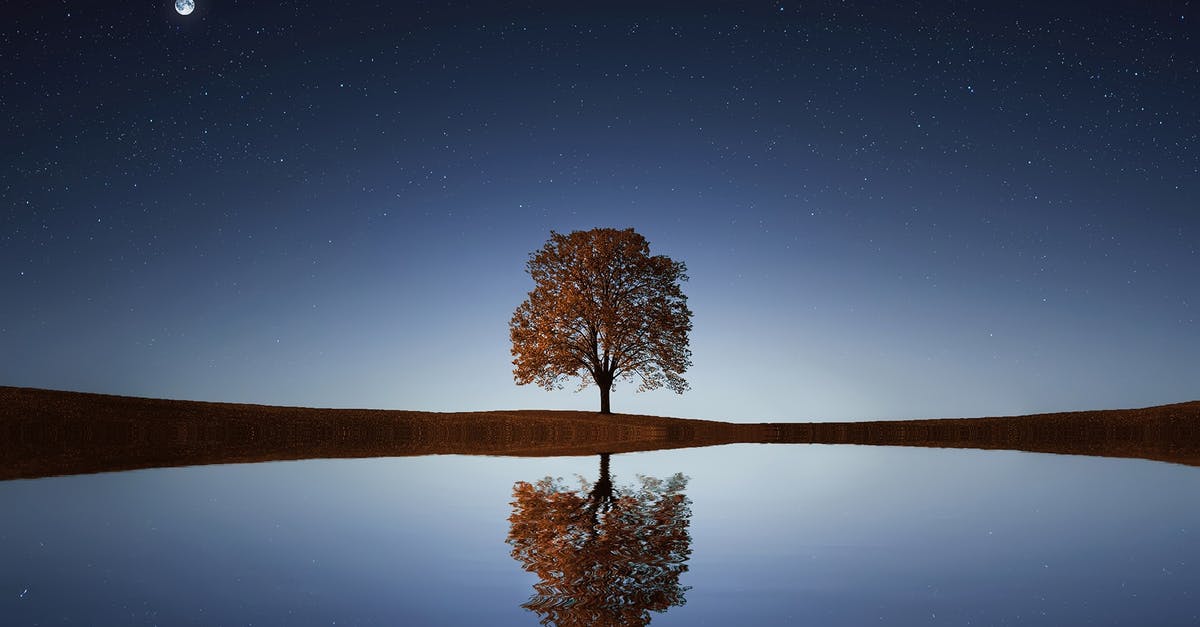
(185, 7)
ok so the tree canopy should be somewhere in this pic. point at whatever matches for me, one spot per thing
(608, 555)
(602, 309)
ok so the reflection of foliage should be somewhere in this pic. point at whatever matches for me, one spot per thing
(605, 557)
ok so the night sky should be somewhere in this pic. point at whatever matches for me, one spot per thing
(957, 209)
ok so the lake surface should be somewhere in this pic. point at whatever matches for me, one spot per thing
(749, 534)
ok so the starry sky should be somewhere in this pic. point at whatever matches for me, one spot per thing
(887, 210)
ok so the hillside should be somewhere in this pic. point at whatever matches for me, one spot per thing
(48, 433)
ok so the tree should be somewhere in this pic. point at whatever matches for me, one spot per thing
(602, 309)
(608, 555)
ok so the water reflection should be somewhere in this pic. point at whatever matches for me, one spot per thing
(606, 554)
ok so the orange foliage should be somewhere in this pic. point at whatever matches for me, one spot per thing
(606, 558)
(602, 309)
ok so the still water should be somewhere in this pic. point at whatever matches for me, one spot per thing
(733, 535)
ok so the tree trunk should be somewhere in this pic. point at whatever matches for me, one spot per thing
(604, 381)
(601, 497)
(605, 478)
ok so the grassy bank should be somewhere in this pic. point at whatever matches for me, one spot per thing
(46, 433)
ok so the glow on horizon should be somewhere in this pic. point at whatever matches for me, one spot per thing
(866, 237)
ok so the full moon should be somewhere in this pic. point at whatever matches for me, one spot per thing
(185, 6)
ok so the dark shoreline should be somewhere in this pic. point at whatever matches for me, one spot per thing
(48, 433)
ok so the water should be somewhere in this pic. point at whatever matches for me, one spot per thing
(762, 535)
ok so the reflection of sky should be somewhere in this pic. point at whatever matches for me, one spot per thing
(950, 211)
(796, 534)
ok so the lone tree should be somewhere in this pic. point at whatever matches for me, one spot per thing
(605, 556)
(602, 309)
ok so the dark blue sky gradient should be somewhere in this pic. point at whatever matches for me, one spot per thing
(952, 210)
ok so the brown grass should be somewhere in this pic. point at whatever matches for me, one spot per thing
(48, 433)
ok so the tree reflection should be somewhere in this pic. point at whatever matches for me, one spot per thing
(605, 554)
